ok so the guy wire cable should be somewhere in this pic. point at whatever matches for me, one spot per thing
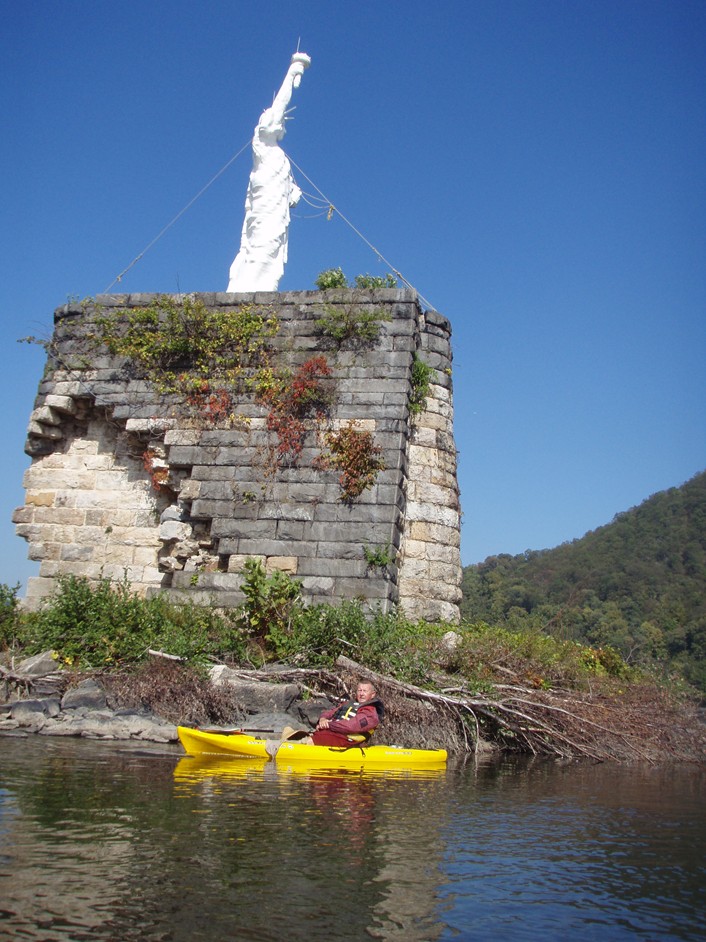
(178, 216)
(332, 208)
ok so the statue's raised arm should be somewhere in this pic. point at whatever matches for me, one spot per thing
(259, 264)
(292, 80)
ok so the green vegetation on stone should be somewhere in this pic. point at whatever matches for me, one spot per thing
(180, 344)
(379, 557)
(331, 278)
(351, 323)
(335, 278)
(376, 281)
(422, 375)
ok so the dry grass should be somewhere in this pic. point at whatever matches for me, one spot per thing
(174, 691)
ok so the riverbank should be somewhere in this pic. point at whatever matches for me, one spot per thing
(615, 721)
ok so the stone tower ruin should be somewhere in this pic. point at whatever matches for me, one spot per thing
(327, 452)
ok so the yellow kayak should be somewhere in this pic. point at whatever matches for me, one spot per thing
(198, 742)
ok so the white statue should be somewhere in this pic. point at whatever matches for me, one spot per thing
(259, 264)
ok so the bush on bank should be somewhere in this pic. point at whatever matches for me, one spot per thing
(105, 625)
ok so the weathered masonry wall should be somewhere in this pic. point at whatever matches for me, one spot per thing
(122, 483)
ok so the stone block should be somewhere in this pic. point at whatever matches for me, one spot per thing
(256, 696)
(429, 591)
(72, 552)
(289, 511)
(250, 529)
(182, 436)
(269, 548)
(217, 490)
(236, 562)
(39, 665)
(117, 554)
(185, 456)
(22, 515)
(370, 589)
(153, 425)
(40, 498)
(435, 319)
(333, 568)
(356, 533)
(190, 490)
(210, 509)
(174, 530)
(58, 403)
(38, 430)
(232, 438)
(433, 513)
(286, 564)
(331, 550)
(44, 550)
(319, 585)
(113, 480)
(291, 529)
(430, 494)
(39, 587)
(88, 694)
(98, 462)
(70, 389)
(63, 516)
(445, 475)
(133, 536)
(45, 416)
(208, 580)
(339, 512)
(433, 533)
(218, 473)
(233, 457)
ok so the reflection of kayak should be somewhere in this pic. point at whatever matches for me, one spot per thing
(197, 768)
(199, 742)
(192, 769)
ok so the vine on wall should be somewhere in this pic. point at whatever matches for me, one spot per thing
(177, 345)
(157, 469)
(295, 401)
(354, 453)
(214, 406)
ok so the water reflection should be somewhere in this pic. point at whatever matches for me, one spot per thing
(608, 852)
(102, 842)
(353, 816)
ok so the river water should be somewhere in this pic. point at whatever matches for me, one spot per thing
(115, 842)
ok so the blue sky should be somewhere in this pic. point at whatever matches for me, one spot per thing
(535, 168)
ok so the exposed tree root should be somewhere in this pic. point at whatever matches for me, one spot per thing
(643, 723)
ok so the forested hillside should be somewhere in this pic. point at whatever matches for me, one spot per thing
(637, 584)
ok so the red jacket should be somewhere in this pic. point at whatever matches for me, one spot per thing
(353, 719)
(348, 719)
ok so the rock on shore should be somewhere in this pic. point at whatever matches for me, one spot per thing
(84, 711)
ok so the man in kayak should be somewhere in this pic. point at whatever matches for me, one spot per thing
(357, 717)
